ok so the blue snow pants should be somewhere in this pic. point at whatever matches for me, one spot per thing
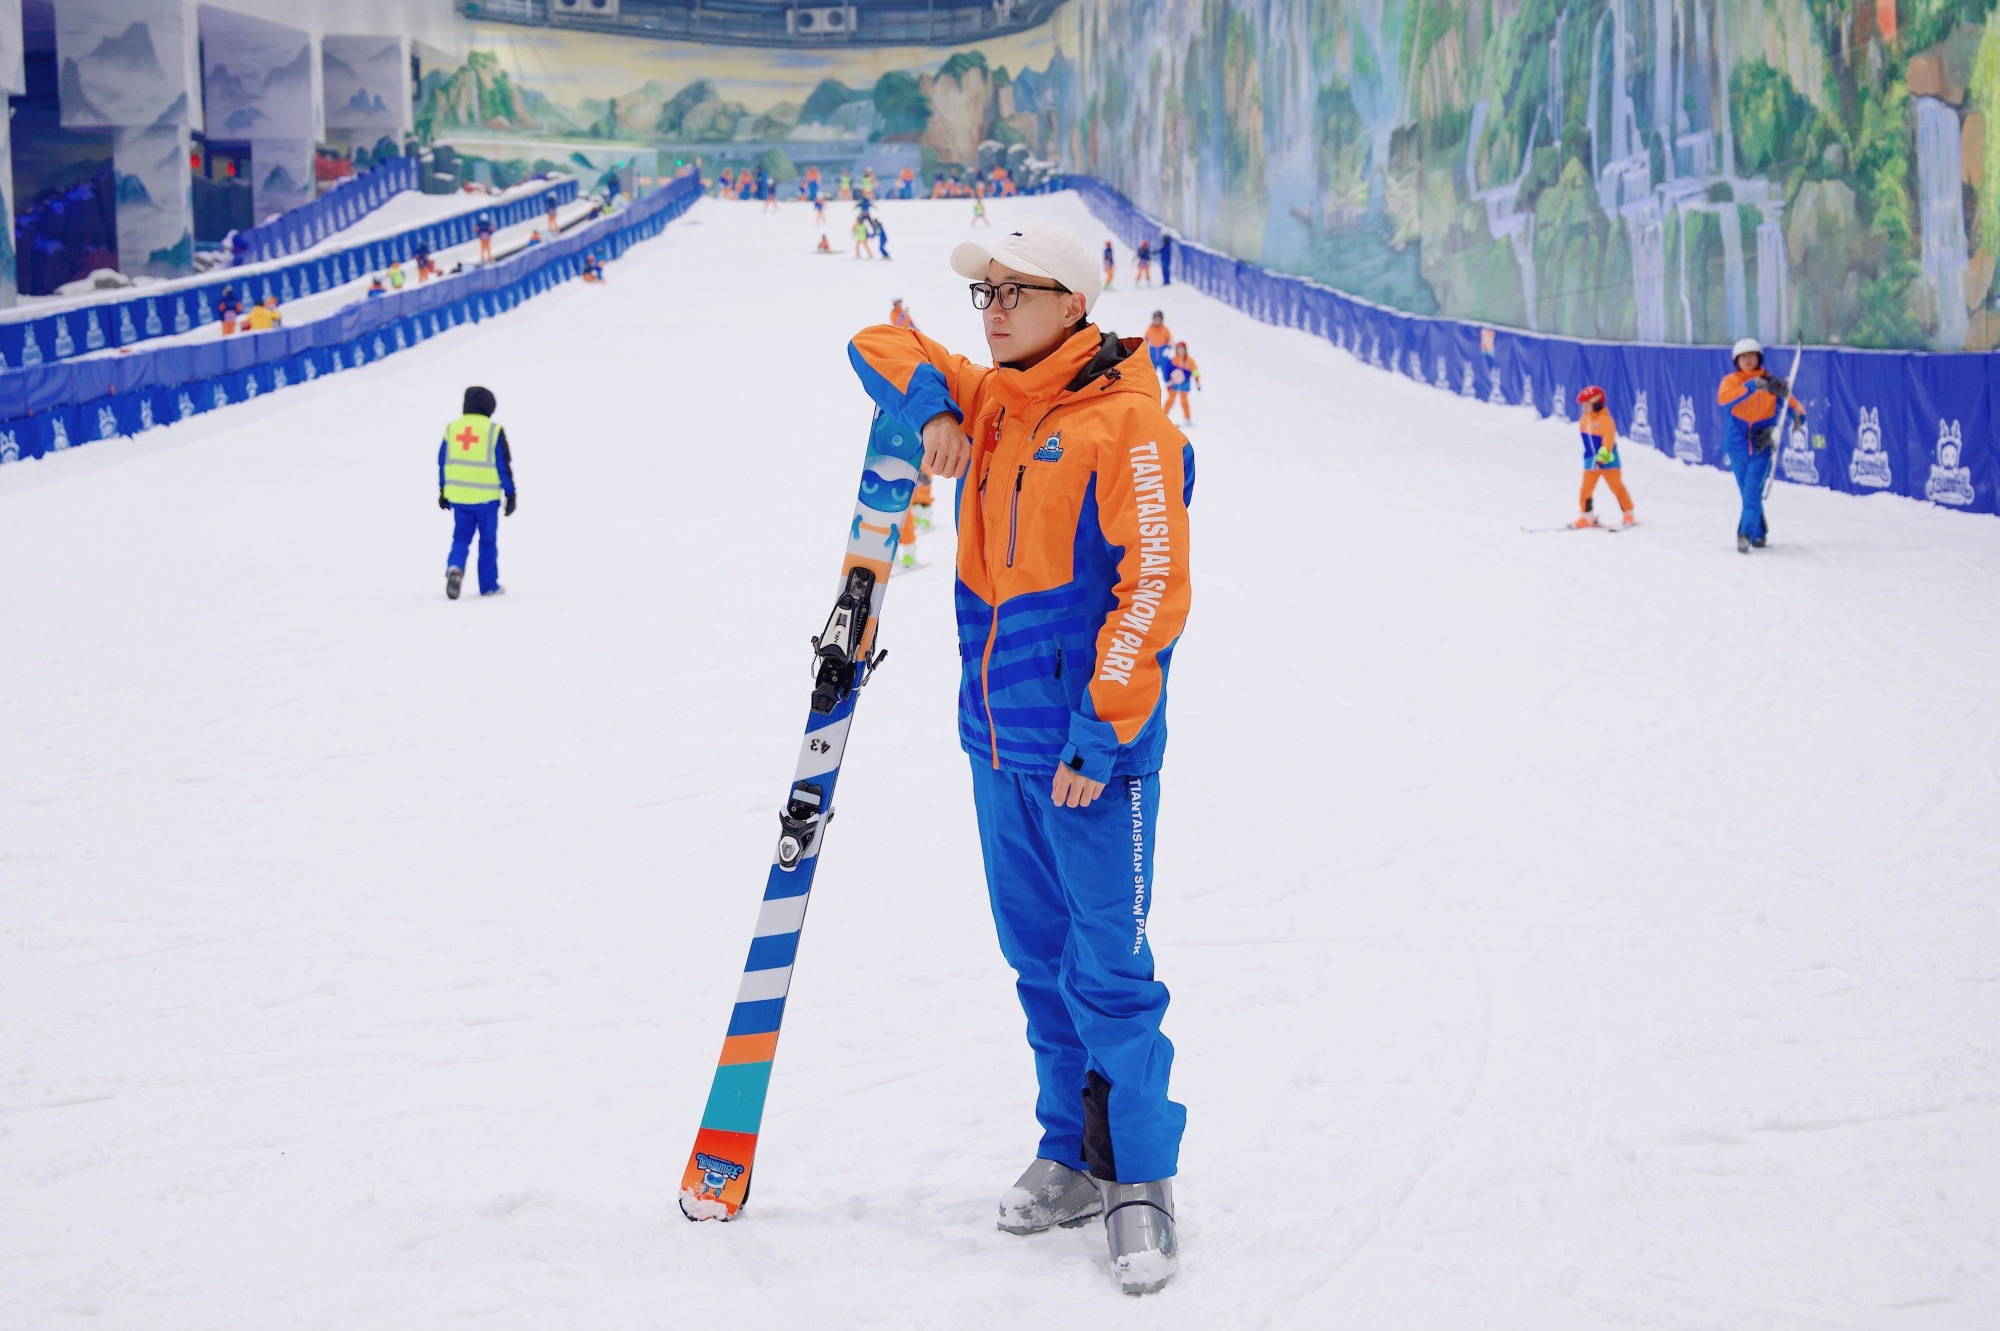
(485, 520)
(1071, 889)
(1750, 469)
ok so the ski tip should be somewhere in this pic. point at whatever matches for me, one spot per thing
(697, 1207)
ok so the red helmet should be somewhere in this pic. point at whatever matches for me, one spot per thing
(1591, 396)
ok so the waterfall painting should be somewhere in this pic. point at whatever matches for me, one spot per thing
(1681, 171)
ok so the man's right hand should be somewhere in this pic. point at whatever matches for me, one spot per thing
(947, 451)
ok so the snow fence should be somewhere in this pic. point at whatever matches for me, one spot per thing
(336, 210)
(1918, 424)
(116, 395)
(29, 345)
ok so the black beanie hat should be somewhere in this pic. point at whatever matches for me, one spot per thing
(478, 402)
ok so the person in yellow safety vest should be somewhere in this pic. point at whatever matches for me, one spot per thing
(396, 276)
(475, 475)
(265, 317)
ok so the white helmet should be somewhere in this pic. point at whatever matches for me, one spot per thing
(1746, 346)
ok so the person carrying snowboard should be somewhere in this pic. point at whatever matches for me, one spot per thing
(1600, 458)
(1072, 589)
(475, 477)
(1755, 397)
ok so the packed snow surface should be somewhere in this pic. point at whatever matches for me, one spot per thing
(1566, 930)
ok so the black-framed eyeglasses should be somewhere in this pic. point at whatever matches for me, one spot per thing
(1008, 293)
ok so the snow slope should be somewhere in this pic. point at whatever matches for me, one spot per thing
(1566, 930)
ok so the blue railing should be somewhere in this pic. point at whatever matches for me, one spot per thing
(64, 406)
(332, 212)
(1910, 423)
(33, 344)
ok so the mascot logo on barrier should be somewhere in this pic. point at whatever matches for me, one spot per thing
(185, 406)
(1687, 435)
(279, 379)
(58, 435)
(126, 331)
(1468, 386)
(181, 322)
(311, 370)
(1415, 366)
(1442, 379)
(153, 325)
(221, 398)
(1870, 464)
(107, 423)
(1527, 389)
(1642, 422)
(1496, 395)
(1795, 459)
(1559, 402)
(1950, 482)
(93, 333)
(65, 344)
(146, 421)
(10, 447)
(31, 350)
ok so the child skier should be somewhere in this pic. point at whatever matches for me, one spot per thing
(1142, 264)
(899, 315)
(861, 246)
(979, 217)
(1159, 344)
(1181, 371)
(1600, 458)
(475, 476)
(228, 309)
(1110, 263)
(484, 230)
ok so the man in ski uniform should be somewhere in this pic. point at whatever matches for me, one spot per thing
(1072, 589)
(1600, 458)
(1159, 344)
(1755, 398)
(475, 474)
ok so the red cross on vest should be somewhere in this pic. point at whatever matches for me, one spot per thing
(466, 439)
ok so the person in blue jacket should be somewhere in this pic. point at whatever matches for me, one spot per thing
(475, 477)
(1754, 398)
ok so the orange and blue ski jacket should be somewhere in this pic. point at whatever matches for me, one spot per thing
(1073, 580)
(1599, 433)
(1750, 410)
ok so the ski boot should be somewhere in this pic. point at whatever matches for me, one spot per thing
(452, 578)
(1629, 520)
(1046, 1195)
(1139, 1226)
(1584, 520)
(498, 590)
(1742, 544)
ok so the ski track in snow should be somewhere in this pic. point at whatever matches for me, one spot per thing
(1564, 932)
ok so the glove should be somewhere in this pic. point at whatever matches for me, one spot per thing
(443, 503)
(508, 511)
(1604, 456)
(1776, 386)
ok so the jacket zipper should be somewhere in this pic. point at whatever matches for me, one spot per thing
(992, 629)
(1014, 513)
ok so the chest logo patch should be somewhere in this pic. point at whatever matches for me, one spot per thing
(1051, 449)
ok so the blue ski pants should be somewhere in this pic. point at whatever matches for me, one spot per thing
(1750, 469)
(484, 519)
(1071, 889)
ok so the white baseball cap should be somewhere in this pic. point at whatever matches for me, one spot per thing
(1039, 251)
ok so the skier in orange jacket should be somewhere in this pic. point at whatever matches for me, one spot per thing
(1600, 458)
(1072, 590)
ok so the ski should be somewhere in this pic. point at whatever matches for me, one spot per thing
(1603, 526)
(716, 1183)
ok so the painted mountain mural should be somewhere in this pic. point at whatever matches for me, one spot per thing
(1663, 170)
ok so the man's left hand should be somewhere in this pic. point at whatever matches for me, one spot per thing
(1074, 790)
